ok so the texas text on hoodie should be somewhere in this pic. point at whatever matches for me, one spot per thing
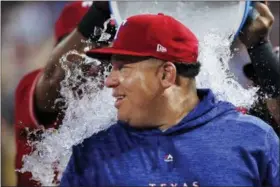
(214, 145)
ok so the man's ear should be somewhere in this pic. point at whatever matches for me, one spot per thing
(167, 74)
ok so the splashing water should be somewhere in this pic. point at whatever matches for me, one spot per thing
(215, 74)
(85, 115)
(94, 111)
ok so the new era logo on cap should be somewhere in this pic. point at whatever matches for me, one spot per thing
(158, 36)
(160, 48)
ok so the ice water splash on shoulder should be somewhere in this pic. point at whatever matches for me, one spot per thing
(90, 109)
(214, 56)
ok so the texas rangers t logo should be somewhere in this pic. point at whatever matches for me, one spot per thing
(122, 24)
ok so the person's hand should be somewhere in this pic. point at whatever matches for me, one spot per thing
(257, 30)
(95, 23)
(102, 5)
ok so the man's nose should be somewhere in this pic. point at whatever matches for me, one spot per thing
(112, 80)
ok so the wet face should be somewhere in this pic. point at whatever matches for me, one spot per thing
(138, 88)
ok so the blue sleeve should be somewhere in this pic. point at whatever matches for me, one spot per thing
(72, 174)
(273, 174)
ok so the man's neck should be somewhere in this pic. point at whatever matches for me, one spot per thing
(180, 103)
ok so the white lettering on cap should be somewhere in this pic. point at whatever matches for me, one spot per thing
(86, 3)
(122, 24)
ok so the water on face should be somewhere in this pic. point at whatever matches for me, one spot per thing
(87, 115)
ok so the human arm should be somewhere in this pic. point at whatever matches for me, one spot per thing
(48, 86)
(266, 66)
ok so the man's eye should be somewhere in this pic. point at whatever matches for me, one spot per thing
(121, 67)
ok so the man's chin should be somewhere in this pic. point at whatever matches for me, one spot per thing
(122, 117)
(131, 122)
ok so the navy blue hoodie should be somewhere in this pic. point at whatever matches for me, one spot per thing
(214, 145)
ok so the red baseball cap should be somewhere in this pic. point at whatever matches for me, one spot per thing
(159, 36)
(69, 18)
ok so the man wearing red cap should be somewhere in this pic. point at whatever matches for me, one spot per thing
(36, 93)
(169, 133)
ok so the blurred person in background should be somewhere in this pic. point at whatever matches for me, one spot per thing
(22, 43)
(35, 107)
(264, 69)
(18, 43)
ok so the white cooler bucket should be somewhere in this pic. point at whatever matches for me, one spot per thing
(200, 17)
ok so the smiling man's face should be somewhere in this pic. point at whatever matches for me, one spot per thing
(136, 86)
